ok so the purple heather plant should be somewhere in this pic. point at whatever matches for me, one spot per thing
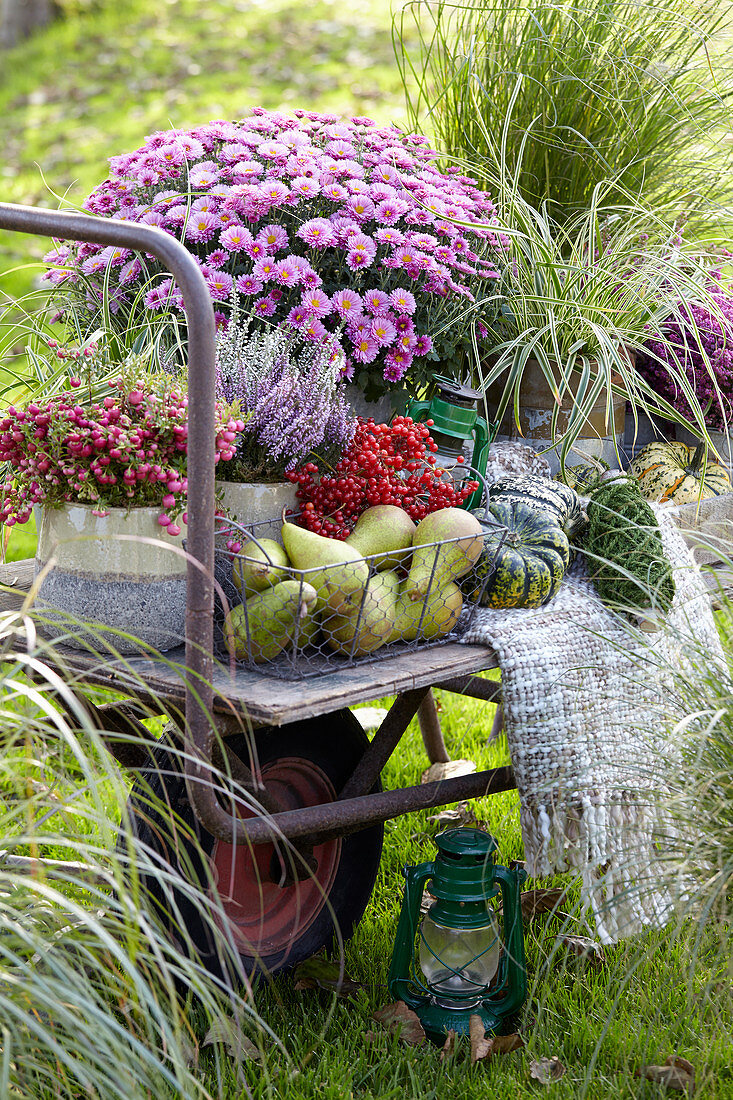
(288, 395)
(334, 226)
(698, 343)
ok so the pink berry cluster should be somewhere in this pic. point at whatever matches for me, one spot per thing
(338, 227)
(127, 449)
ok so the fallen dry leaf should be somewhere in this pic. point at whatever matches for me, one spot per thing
(426, 901)
(398, 1017)
(480, 1045)
(505, 1044)
(535, 902)
(320, 973)
(584, 948)
(239, 1047)
(676, 1073)
(453, 816)
(449, 1045)
(547, 1070)
(449, 770)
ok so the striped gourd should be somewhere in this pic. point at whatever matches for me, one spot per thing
(527, 568)
(544, 495)
(676, 472)
(585, 477)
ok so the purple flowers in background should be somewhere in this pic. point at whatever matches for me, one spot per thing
(686, 353)
(291, 402)
(298, 211)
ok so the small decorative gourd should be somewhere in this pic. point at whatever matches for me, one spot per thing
(528, 568)
(544, 495)
(585, 477)
(676, 472)
(623, 549)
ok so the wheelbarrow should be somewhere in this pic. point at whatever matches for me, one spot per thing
(302, 867)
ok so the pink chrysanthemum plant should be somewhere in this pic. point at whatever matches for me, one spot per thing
(337, 227)
(111, 438)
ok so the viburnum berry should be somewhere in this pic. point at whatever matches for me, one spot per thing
(385, 464)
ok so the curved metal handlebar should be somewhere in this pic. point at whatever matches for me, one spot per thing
(201, 451)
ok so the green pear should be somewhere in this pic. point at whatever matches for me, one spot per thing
(435, 566)
(369, 624)
(264, 566)
(382, 529)
(264, 625)
(337, 571)
(308, 628)
(442, 610)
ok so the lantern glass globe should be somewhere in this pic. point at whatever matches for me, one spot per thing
(459, 963)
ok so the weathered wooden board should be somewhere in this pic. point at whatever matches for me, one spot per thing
(266, 699)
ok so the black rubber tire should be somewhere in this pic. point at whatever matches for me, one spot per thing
(333, 743)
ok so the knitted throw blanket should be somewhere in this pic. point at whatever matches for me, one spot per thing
(585, 699)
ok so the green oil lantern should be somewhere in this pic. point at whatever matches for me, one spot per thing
(453, 410)
(469, 965)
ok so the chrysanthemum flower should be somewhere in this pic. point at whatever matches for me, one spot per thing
(316, 232)
(346, 203)
(316, 302)
(346, 302)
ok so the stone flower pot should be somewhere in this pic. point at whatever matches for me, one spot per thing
(96, 576)
(249, 503)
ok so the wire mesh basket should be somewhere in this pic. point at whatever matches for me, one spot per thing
(297, 623)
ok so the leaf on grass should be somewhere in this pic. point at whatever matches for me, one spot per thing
(449, 770)
(449, 1046)
(547, 1070)
(426, 901)
(480, 1045)
(399, 1018)
(320, 973)
(454, 817)
(676, 1073)
(584, 948)
(535, 902)
(505, 1044)
(239, 1047)
(483, 1047)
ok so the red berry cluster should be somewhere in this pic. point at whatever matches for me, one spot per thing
(386, 464)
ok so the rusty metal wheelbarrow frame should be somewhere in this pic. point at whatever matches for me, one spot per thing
(355, 808)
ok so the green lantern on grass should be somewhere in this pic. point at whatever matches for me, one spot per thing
(469, 966)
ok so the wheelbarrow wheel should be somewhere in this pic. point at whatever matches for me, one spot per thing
(273, 926)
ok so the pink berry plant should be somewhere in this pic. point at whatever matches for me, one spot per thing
(338, 227)
(121, 444)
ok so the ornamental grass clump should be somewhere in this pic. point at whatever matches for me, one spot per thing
(340, 227)
(121, 444)
(288, 394)
(699, 345)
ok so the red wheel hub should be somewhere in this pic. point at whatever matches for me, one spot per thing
(265, 918)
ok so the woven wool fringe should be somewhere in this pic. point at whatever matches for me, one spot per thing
(586, 699)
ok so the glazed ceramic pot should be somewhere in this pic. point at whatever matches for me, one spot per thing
(119, 570)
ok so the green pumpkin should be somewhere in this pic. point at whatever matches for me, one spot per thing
(544, 495)
(674, 471)
(527, 568)
(585, 477)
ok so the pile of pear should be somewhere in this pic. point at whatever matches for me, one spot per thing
(390, 580)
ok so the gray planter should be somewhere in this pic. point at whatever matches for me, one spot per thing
(119, 570)
(260, 503)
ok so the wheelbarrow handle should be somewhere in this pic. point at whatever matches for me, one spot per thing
(175, 258)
